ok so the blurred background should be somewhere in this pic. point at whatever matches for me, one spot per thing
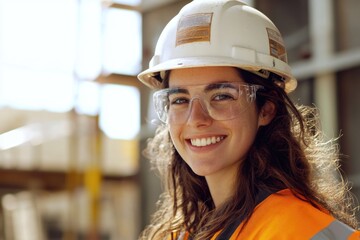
(74, 119)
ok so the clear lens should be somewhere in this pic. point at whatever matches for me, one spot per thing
(221, 101)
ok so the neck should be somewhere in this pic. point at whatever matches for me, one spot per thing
(221, 186)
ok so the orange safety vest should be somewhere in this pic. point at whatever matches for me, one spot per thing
(282, 216)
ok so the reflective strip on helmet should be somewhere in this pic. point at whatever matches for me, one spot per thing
(335, 231)
(194, 28)
(276, 44)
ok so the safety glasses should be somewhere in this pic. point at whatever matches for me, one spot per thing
(221, 101)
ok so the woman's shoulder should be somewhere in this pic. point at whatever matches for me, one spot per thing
(282, 215)
(286, 206)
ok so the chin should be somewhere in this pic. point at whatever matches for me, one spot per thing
(201, 171)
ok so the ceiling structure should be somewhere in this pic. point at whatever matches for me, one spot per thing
(147, 5)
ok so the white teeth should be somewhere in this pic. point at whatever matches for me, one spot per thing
(202, 142)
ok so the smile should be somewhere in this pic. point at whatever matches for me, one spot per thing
(202, 142)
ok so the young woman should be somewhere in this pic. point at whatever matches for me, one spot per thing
(238, 159)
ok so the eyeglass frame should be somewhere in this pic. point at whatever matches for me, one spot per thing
(163, 114)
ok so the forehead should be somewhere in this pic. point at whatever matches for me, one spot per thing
(203, 75)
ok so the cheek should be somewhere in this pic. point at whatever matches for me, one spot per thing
(175, 135)
(244, 129)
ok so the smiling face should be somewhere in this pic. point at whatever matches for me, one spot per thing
(213, 147)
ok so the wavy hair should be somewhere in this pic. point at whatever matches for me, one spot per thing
(290, 152)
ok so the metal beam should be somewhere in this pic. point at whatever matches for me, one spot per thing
(334, 63)
(321, 33)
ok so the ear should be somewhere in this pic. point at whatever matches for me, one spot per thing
(266, 114)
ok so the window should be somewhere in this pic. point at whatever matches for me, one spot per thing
(122, 51)
(50, 55)
(120, 111)
(61, 123)
(37, 56)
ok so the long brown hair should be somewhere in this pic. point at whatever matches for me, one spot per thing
(290, 152)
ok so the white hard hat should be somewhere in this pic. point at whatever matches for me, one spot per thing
(220, 33)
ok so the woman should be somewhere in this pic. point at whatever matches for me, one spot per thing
(238, 159)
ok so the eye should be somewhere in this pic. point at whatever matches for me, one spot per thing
(224, 93)
(223, 97)
(178, 100)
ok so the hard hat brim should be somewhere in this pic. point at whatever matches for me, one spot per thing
(148, 76)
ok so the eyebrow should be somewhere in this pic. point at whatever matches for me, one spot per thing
(208, 88)
(177, 90)
(218, 86)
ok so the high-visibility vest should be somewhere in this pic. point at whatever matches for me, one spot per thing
(282, 216)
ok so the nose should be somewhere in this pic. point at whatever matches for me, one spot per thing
(198, 114)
